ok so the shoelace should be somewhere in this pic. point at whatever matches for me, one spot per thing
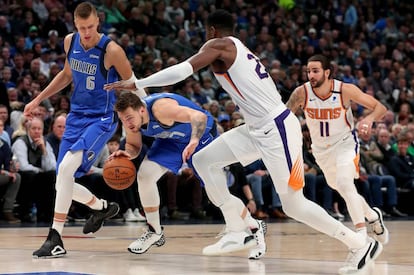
(146, 236)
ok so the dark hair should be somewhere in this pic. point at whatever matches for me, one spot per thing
(221, 19)
(325, 62)
(128, 99)
(84, 10)
(115, 138)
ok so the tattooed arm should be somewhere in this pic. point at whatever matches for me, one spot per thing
(296, 100)
(168, 111)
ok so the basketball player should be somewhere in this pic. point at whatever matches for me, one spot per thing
(326, 104)
(180, 128)
(271, 133)
(92, 60)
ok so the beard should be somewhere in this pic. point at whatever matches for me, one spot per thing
(318, 83)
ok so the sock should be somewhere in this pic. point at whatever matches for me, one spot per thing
(362, 231)
(348, 237)
(153, 219)
(250, 221)
(58, 226)
(97, 204)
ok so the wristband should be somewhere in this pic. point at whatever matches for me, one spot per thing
(139, 91)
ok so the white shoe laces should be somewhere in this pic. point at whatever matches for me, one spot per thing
(147, 234)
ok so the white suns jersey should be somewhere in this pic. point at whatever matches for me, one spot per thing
(327, 119)
(251, 87)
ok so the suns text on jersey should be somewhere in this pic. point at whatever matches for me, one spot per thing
(325, 113)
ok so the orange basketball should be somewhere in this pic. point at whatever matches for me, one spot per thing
(119, 173)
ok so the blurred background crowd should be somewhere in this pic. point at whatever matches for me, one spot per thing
(370, 43)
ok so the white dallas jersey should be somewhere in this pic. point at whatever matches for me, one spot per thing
(251, 87)
(327, 118)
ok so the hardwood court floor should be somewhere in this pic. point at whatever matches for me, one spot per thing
(293, 248)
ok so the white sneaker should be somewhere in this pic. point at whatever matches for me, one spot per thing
(259, 233)
(139, 216)
(380, 231)
(230, 242)
(360, 259)
(129, 216)
(147, 239)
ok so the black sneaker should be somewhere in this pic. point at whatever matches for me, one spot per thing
(52, 247)
(96, 220)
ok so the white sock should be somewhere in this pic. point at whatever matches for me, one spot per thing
(362, 231)
(58, 226)
(153, 219)
(97, 204)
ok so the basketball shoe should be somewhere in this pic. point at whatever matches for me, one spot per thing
(259, 233)
(52, 247)
(147, 239)
(230, 242)
(96, 220)
(378, 227)
(359, 260)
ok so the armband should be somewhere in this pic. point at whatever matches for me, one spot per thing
(167, 76)
(139, 91)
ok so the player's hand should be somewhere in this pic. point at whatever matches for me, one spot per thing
(365, 126)
(189, 149)
(119, 153)
(121, 85)
(29, 108)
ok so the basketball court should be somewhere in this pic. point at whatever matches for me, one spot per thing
(293, 248)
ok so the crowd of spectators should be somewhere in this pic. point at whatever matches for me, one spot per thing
(370, 43)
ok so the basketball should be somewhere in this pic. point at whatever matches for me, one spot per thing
(119, 173)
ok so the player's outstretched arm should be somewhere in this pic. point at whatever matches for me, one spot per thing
(212, 50)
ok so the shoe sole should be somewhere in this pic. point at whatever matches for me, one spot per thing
(49, 257)
(249, 244)
(385, 233)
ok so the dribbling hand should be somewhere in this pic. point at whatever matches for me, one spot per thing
(119, 153)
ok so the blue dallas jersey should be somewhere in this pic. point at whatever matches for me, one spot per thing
(170, 141)
(179, 132)
(92, 120)
(89, 75)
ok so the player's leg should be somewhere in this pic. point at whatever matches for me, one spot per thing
(91, 142)
(288, 179)
(341, 178)
(209, 163)
(148, 174)
(53, 246)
